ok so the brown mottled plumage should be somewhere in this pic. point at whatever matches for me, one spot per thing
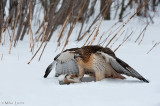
(86, 51)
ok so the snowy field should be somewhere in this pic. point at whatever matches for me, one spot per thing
(23, 85)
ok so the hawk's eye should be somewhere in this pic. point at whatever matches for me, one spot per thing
(77, 55)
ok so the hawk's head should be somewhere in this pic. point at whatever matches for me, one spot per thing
(82, 55)
(78, 55)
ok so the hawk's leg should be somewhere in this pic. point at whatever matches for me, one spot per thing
(99, 75)
(117, 75)
(81, 72)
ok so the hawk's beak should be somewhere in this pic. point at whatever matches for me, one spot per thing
(74, 57)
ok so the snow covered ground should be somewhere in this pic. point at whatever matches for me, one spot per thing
(23, 85)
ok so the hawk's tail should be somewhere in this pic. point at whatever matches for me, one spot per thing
(49, 68)
(123, 68)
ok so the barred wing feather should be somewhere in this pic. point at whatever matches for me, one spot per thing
(126, 69)
(69, 67)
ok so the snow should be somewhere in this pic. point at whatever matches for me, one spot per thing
(23, 85)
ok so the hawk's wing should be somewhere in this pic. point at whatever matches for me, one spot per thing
(68, 67)
(120, 66)
(65, 64)
(123, 68)
(49, 69)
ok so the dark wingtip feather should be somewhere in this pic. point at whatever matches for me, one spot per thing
(143, 79)
(136, 74)
(48, 70)
(131, 71)
(45, 76)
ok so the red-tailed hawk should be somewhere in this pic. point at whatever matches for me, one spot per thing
(100, 62)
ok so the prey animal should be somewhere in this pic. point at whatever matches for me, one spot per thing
(100, 62)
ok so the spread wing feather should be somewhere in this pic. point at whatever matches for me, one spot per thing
(65, 64)
(49, 69)
(124, 68)
(69, 67)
